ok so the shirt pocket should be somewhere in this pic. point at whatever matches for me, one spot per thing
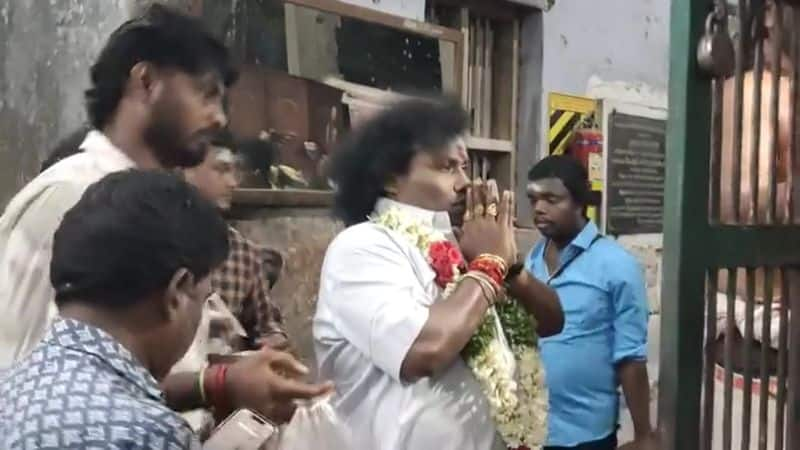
(598, 311)
(586, 307)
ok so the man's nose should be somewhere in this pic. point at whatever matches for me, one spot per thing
(463, 182)
(233, 180)
(219, 119)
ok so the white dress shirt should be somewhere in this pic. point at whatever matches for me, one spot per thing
(375, 291)
(26, 242)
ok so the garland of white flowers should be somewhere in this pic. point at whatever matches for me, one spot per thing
(503, 354)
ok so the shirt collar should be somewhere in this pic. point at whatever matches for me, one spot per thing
(439, 220)
(584, 239)
(81, 337)
(109, 156)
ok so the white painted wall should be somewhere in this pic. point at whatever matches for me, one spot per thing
(619, 41)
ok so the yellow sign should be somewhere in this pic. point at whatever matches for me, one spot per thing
(567, 112)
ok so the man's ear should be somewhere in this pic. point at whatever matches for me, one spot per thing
(143, 80)
(178, 293)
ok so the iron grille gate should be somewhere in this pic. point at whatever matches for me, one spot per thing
(732, 234)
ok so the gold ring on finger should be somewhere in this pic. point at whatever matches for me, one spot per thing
(491, 210)
(479, 210)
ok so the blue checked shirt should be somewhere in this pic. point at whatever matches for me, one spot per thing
(81, 389)
(602, 292)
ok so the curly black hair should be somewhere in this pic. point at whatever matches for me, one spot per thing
(383, 147)
(163, 37)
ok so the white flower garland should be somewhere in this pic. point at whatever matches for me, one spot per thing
(511, 374)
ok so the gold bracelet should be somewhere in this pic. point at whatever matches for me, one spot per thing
(201, 383)
(489, 292)
(483, 279)
(499, 291)
(486, 296)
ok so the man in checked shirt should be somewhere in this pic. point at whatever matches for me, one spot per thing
(243, 282)
(250, 271)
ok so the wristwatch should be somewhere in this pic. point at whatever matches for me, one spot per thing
(514, 271)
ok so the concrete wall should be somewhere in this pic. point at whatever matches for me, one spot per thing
(45, 52)
(614, 40)
(46, 48)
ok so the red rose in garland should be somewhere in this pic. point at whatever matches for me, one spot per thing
(446, 260)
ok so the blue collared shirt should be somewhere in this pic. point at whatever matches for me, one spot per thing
(602, 292)
(81, 389)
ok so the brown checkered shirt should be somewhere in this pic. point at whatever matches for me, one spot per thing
(244, 283)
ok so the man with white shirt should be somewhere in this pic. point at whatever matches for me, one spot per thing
(382, 332)
(155, 101)
(152, 106)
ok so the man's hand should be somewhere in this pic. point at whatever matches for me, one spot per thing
(268, 382)
(488, 233)
(275, 341)
(648, 442)
(634, 380)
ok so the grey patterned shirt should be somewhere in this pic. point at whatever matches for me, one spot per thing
(81, 389)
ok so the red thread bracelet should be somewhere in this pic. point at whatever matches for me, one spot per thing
(215, 386)
(491, 268)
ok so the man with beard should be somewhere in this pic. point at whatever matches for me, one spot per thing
(156, 98)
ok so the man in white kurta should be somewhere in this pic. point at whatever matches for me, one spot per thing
(375, 291)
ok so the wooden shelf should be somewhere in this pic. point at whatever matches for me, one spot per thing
(490, 145)
(370, 15)
(538, 4)
(302, 198)
(499, 9)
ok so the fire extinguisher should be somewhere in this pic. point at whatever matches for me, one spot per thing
(587, 147)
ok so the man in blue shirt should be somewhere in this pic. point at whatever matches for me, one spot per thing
(602, 291)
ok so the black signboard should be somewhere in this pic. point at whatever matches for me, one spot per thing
(635, 174)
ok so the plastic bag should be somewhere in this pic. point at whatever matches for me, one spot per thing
(314, 426)
(215, 312)
(506, 353)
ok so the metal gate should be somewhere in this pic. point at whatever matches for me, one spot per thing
(731, 268)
